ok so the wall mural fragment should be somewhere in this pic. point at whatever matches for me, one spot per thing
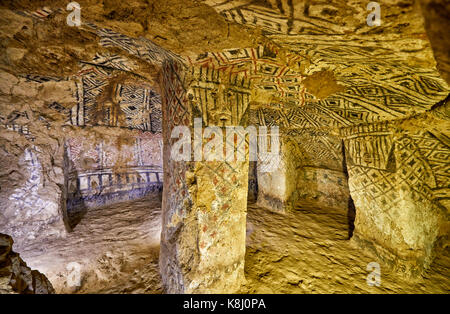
(102, 171)
(130, 105)
(399, 181)
(108, 94)
(379, 80)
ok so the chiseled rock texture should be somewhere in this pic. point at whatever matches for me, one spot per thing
(16, 276)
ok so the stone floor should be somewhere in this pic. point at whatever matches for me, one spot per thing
(305, 251)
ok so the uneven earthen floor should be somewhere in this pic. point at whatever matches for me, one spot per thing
(305, 251)
(117, 247)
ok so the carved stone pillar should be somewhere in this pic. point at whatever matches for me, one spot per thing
(276, 185)
(392, 183)
(204, 201)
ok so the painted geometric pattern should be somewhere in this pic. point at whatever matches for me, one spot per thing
(386, 90)
(369, 145)
(413, 170)
(206, 90)
(311, 115)
(379, 83)
(416, 162)
(97, 187)
(141, 47)
(141, 106)
(145, 150)
(225, 178)
(292, 17)
(174, 107)
(435, 149)
(12, 123)
(97, 181)
(101, 171)
(386, 87)
(260, 66)
(317, 149)
(285, 17)
(174, 92)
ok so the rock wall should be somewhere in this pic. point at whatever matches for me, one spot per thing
(275, 188)
(320, 175)
(311, 172)
(51, 115)
(16, 276)
(176, 198)
(398, 181)
(252, 182)
(56, 79)
(110, 166)
(32, 166)
(48, 160)
(322, 188)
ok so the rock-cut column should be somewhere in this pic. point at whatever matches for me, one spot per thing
(392, 183)
(205, 195)
(276, 178)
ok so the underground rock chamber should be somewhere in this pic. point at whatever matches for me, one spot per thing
(224, 147)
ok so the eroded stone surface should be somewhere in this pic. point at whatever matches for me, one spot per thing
(16, 276)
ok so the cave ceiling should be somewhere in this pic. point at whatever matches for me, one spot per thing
(334, 69)
(310, 64)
